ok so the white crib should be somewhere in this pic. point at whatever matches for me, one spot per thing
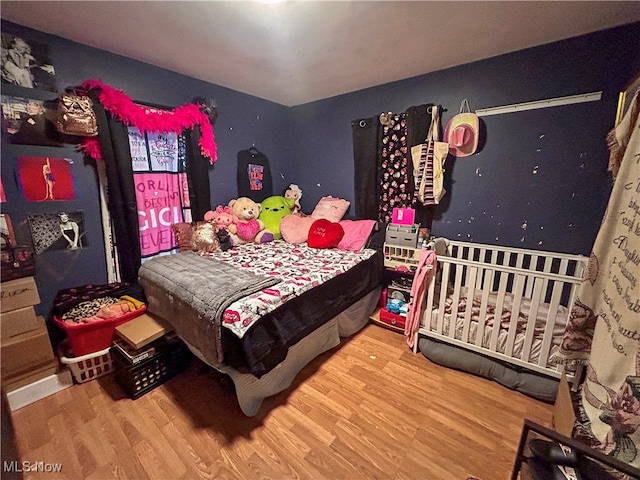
(536, 288)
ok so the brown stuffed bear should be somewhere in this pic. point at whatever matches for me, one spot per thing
(247, 227)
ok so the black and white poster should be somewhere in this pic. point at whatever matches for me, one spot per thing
(57, 231)
(26, 121)
(26, 63)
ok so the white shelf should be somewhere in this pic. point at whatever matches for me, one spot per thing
(397, 256)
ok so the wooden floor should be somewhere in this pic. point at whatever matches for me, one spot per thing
(368, 409)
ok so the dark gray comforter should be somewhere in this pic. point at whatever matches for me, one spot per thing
(209, 286)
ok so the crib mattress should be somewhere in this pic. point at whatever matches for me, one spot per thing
(430, 321)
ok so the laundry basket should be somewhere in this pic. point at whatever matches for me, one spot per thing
(89, 366)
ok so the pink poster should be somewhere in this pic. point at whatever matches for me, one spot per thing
(160, 204)
(162, 189)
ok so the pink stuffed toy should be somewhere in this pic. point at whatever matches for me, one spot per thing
(222, 217)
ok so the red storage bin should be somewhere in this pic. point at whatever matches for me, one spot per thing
(85, 338)
(393, 319)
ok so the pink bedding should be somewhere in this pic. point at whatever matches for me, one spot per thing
(298, 267)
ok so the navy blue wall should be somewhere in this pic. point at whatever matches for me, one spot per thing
(243, 120)
(540, 180)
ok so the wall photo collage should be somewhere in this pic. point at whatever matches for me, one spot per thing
(29, 121)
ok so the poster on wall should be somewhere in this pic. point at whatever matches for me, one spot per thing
(163, 151)
(26, 63)
(26, 121)
(162, 191)
(138, 147)
(57, 231)
(46, 179)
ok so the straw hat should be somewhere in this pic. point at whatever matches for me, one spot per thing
(462, 132)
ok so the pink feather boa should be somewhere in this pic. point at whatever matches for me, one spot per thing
(147, 119)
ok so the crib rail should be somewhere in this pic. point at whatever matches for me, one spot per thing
(476, 285)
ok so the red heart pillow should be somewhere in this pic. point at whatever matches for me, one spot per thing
(325, 234)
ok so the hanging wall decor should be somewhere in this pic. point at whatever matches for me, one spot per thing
(148, 119)
(26, 121)
(45, 179)
(161, 188)
(57, 231)
(26, 63)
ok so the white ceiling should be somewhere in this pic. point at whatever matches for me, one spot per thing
(296, 52)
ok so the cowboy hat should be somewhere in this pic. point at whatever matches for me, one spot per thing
(461, 133)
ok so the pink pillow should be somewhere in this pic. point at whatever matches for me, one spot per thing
(333, 209)
(295, 228)
(325, 234)
(356, 234)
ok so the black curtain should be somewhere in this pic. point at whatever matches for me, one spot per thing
(123, 208)
(197, 175)
(367, 135)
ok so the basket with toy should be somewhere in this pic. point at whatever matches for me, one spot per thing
(90, 314)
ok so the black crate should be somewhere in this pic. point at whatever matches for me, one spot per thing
(140, 378)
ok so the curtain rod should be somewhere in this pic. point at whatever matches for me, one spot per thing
(550, 102)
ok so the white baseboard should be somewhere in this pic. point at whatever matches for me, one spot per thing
(38, 390)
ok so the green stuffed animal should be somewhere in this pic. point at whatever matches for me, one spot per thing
(273, 210)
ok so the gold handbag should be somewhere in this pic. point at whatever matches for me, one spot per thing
(75, 116)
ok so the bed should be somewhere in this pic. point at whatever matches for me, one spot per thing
(520, 302)
(260, 312)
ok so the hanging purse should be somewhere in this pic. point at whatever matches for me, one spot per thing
(75, 116)
(440, 152)
(17, 261)
(428, 164)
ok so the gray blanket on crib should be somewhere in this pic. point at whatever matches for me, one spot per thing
(208, 286)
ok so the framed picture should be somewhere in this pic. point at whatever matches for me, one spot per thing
(57, 231)
(45, 179)
(26, 63)
(26, 121)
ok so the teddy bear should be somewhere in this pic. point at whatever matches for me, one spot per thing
(274, 209)
(247, 227)
(221, 217)
(294, 193)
